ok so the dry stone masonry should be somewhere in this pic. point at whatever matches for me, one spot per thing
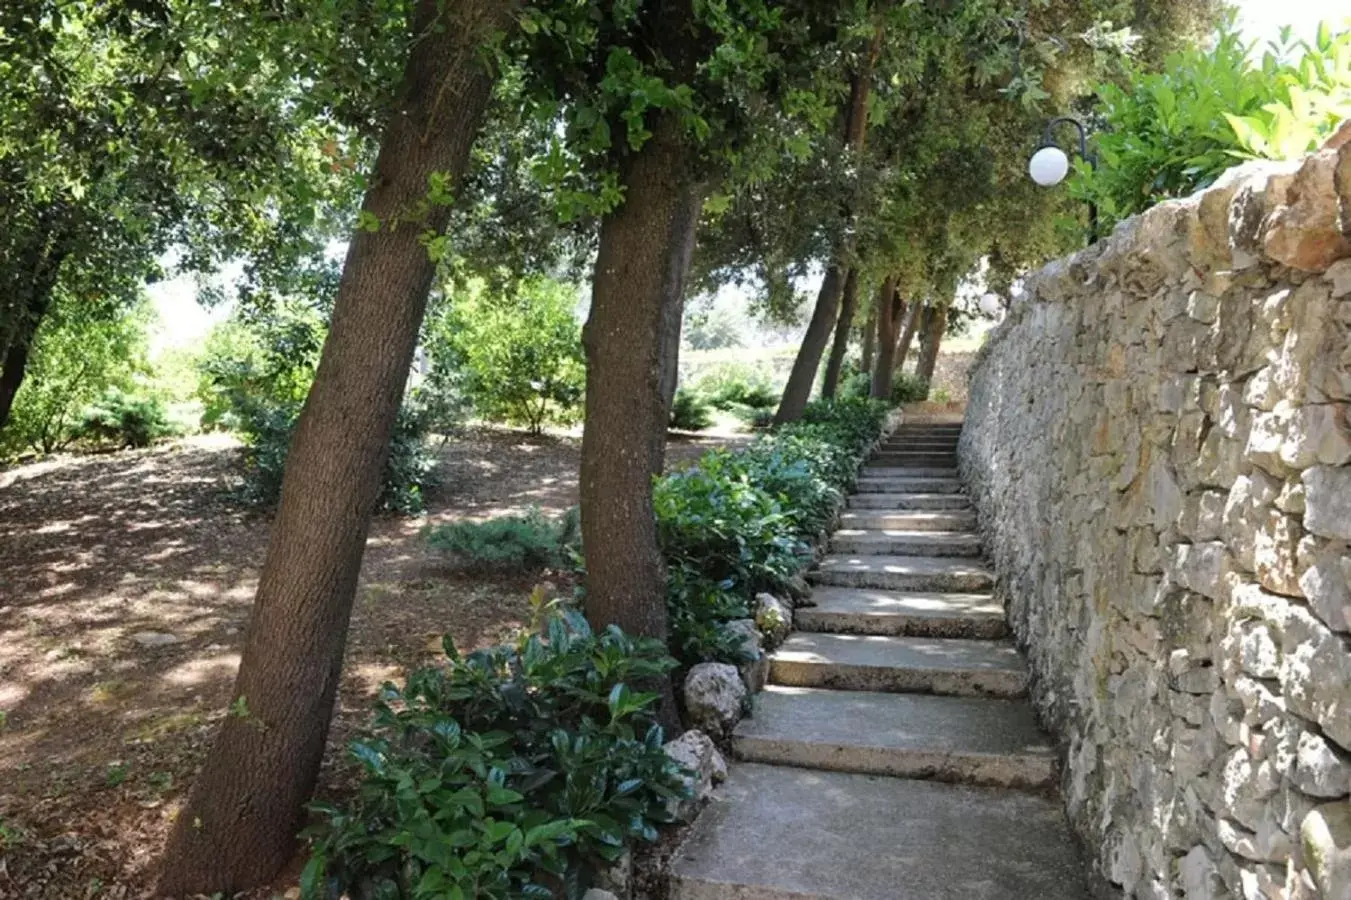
(1158, 443)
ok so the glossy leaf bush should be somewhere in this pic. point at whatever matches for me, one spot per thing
(1167, 133)
(514, 771)
(740, 522)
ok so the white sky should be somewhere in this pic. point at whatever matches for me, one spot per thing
(183, 321)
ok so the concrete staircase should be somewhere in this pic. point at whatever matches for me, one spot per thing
(894, 755)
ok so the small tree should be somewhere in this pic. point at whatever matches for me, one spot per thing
(522, 352)
(83, 351)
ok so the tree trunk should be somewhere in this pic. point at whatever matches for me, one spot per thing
(24, 310)
(631, 337)
(843, 326)
(912, 320)
(869, 340)
(15, 363)
(238, 828)
(935, 324)
(798, 390)
(889, 310)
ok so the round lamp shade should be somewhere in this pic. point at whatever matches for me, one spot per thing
(1048, 166)
(991, 305)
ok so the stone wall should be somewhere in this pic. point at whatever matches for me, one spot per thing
(1158, 443)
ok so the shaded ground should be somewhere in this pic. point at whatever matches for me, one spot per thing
(125, 587)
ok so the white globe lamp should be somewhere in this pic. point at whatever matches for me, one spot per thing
(990, 305)
(1048, 166)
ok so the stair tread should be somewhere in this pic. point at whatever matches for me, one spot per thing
(920, 722)
(936, 604)
(902, 565)
(905, 519)
(897, 470)
(888, 652)
(882, 503)
(776, 832)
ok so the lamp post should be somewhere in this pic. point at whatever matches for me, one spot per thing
(1049, 165)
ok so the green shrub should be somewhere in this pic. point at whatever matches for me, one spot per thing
(855, 385)
(738, 522)
(512, 543)
(730, 385)
(906, 388)
(520, 354)
(266, 432)
(1169, 133)
(511, 772)
(80, 352)
(124, 420)
(690, 411)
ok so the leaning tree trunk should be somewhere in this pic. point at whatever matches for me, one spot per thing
(869, 340)
(912, 321)
(848, 306)
(24, 307)
(631, 338)
(239, 826)
(935, 324)
(798, 390)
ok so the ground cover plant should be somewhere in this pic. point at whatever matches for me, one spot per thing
(514, 771)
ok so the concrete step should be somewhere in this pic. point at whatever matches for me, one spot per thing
(886, 511)
(912, 458)
(889, 471)
(975, 740)
(876, 504)
(901, 442)
(938, 427)
(915, 613)
(782, 833)
(903, 573)
(882, 484)
(951, 666)
(904, 542)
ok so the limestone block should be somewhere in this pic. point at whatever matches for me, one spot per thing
(1245, 786)
(1259, 186)
(1291, 498)
(774, 617)
(695, 752)
(1321, 769)
(1200, 567)
(1274, 553)
(1339, 276)
(1316, 675)
(1261, 391)
(1327, 501)
(714, 694)
(1317, 433)
(1267, 438)
(1200, 879)
(1326, 582)
(1303, 232)
(1325, 838)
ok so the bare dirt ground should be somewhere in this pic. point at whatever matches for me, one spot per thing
(125, 587)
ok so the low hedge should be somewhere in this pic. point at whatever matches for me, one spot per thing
(740, 522)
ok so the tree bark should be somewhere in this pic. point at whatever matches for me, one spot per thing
(912, 321)
(632, 336)
(890, 307)
(843, 326)
(935, 324)
(798, 390)
(24, 310)
(239, 825)
(869, 341)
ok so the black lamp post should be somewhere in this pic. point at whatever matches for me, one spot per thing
(1050, 164)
